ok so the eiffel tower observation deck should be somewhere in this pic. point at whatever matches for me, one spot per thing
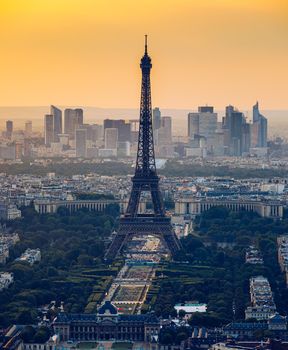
(145, 180)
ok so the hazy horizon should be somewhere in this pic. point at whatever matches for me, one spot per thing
(277, 119)
(89, 51)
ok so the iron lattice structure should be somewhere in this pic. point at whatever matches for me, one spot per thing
(145, 179)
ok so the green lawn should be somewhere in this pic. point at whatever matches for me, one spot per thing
(122, 346)
(87, 345)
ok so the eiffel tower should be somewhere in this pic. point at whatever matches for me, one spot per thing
(144, 180)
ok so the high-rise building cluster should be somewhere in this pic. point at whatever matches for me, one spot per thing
(73, 120)
(16, 144)
(113, 138)
(67, 135)
(234, 136)
(162, 129)
(117, 137)
(259, 128)
(53, 125)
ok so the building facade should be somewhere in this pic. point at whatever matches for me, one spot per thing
(81, 139)
(156, 118)
(73, 119)
(48, 207)
(262, 302)
(123, 128)
(111, 138)
(282, 242)
(9, 129)
(57, 122)
(259, 128)
(203, 125)
(9, 211)
(107, 324)
(48, 129)
(194, 206)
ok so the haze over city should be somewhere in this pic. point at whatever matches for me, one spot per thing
(143, 175)
(82, 52)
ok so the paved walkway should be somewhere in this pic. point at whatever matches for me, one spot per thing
(129, 289)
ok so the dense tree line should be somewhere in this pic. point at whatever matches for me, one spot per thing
(93, 196)
(68, 169)
(209, 269)
(72, 248)
(172, 168)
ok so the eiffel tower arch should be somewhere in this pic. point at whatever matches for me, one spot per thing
(144, 180)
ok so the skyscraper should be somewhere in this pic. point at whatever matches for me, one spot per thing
(236, 130)
(236, 122)
(111, 138)
(226, 127)
(28, 128)
(80, 139)
(193, 125)
(246, 137)
(205, 109)
(203, 124)
(9, 129)
(123, 149)
(259, 137)
(73, 119)
(134, 130)
(124, 129)
(57, 122)
(48, 129)
(156, 118)
(97, 132)
(165, 131)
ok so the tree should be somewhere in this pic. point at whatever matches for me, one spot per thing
(63, 211)
(27, 334)
(25, 317)
(85, 260)
(182, 313)
(166, 338)
(42, 335)
(113, 210)
(21, 271)
(204, 320)
(180, 337)
(200, 254)
(51, 272)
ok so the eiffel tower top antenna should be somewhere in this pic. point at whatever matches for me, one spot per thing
(146, 44)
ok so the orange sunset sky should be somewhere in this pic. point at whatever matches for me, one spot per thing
(87, 52)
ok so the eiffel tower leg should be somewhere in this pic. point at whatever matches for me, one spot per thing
(166, 233)
(172, 242)
(116, 245)
(157, 200)
(134, 200)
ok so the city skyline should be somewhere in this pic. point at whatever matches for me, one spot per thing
(20, 115)
(117, 232)
(72, 136)
(215, 51)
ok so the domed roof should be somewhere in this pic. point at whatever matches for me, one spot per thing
(276, 318)
(107, 309)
